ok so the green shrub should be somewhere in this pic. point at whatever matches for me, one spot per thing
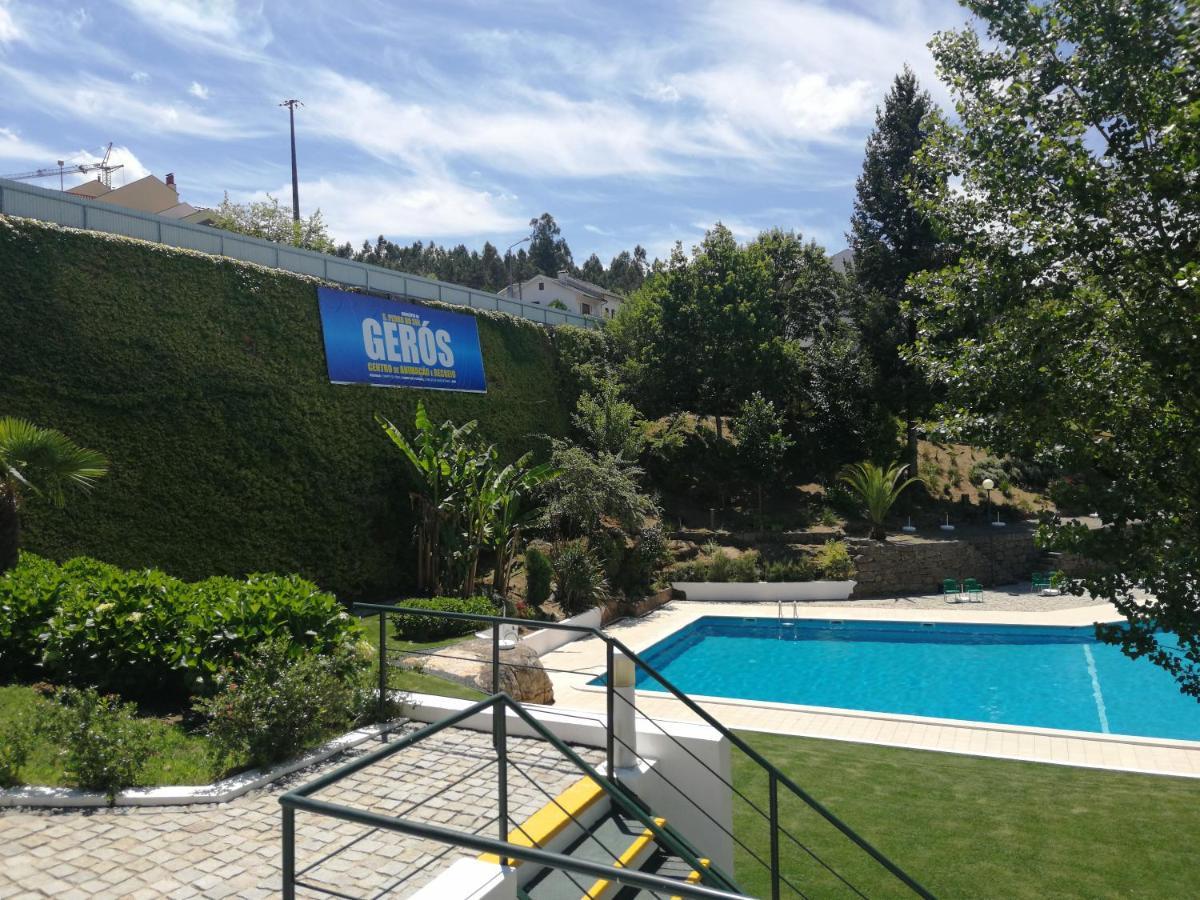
(28, 596)
(146, 634)
(579, 582)
(273, 704)
(14, 750)
(642, 562)
(424, 629)
(539, 574)
(103, 745)
(798, 568)
(834, 562)
(723, 567)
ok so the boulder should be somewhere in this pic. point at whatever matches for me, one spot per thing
(522, 675)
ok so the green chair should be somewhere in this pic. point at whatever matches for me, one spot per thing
(1041, 582)
(951, 587)
(971, 586)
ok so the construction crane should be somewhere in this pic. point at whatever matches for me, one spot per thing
(103, 167)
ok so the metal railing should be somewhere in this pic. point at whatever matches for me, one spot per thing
(715, 884)
(28, 201)
(779, 785)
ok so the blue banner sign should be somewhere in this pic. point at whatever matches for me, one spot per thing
(385, 343)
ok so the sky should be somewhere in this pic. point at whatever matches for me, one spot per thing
(460, 121)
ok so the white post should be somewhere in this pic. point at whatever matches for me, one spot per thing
(624, 719)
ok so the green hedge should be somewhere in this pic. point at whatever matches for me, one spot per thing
(145, 634)
(203, 380)
(425, 629)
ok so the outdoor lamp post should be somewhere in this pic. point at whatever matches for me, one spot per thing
(508, 263)
(988, 485)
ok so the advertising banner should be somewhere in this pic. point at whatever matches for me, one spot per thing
(386, 343)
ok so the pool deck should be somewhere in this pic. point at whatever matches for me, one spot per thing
(584, 659)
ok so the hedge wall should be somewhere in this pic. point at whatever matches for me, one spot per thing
(203, 380)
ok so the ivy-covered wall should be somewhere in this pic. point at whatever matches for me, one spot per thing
(203, 380)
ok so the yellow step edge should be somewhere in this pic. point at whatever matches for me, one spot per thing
(601, 886)
(694, 876)
(552, 818)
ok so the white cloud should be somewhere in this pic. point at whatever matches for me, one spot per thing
(9, 31)
(131, 169)
(139, 77)
(427, 205)
(13, 146)
(98, 99)
(198, 90)
(223, 26)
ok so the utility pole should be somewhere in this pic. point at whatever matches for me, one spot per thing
(291, 107)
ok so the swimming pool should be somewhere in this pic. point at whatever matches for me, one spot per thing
(1041, 676)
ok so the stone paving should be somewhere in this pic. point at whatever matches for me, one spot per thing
(234, 849)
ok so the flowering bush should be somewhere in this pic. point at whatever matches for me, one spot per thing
(103, 745)
(28, 597)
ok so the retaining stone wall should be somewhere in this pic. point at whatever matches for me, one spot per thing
(909, 566)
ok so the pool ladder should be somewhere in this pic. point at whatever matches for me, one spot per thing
(779, 610)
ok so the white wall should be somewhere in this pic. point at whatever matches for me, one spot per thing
(552, 290)
(547, 639)
(775, 591)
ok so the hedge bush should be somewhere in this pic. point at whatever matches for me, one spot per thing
(203, 381)
(539, 575)
(424, 629)
(147, 634)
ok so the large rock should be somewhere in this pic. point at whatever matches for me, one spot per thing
(522, 675)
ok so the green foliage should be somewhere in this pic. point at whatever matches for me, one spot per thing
(272, 704)
(28, 598)
(548, 250)
(146, 634)
(539, 573)
(796, 568)
(103, 746)
(579, 582)
(40, 462)
(834, 562)
(990, 468)
(424, 629)
(761, 444)
(876, 489)
(631, 564)
(14, 749)
(608, 424)
(592, 487)
(269, 220)
(203, 379)
(1073, 163)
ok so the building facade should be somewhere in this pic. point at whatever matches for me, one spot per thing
(576, 295)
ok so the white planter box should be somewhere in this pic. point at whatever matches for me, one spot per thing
(758, 591)
(547, 639)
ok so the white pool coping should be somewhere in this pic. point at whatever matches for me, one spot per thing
(1046, 745)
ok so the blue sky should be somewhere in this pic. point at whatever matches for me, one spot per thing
(459, 121)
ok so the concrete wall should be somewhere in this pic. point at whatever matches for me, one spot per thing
(918, 565)
(547, 639)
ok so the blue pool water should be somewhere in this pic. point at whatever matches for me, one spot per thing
(1050, 677)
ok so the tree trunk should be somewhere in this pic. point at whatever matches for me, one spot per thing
(720, 427)
(10, 527)
(911, 446)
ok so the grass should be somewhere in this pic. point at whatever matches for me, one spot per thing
(970, 827)
(413, 681)
(177, 756)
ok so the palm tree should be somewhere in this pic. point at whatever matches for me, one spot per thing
(39, 462)
(877, 489)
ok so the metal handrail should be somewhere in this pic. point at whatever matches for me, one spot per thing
(776, 777)
(499, 704)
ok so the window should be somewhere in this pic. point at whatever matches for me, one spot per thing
(587, 308)
(541, 285)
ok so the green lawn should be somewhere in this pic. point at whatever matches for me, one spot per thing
(971, 827)
(177, 756)
(419, 682)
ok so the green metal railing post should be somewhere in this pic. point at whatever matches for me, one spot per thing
(611, 699)
(289, 853)
(382, 669)
(773, 782)
(495, 657)
(500, 739)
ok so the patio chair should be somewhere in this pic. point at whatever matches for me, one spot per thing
(971, 586)
(1041, 582)
(950, 587)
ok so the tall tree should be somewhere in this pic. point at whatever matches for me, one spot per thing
(892, 240)
(1076, 207)
(548, 249)
(269, 220)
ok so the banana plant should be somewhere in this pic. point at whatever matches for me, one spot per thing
(512, 489)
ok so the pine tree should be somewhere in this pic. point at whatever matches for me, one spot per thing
(892, 240)
(548, 249)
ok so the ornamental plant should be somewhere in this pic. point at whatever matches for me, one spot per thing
(103, 745)
(877, 490)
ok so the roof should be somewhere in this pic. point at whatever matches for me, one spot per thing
(93, 189)
(586, 287)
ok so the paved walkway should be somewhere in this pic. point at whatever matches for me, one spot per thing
(1015, 607)
(233, 849)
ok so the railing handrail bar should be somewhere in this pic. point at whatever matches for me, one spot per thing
(504, 849)
(708, 718)
(471, 617)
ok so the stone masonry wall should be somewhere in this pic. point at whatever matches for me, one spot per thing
(918, 565)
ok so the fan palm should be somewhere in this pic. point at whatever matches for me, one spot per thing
(37, 462)
(877, 489)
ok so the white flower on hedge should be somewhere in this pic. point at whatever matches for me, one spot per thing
(135, 617)
(104, 607)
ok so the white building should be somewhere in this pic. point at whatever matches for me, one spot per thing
(576, 295)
